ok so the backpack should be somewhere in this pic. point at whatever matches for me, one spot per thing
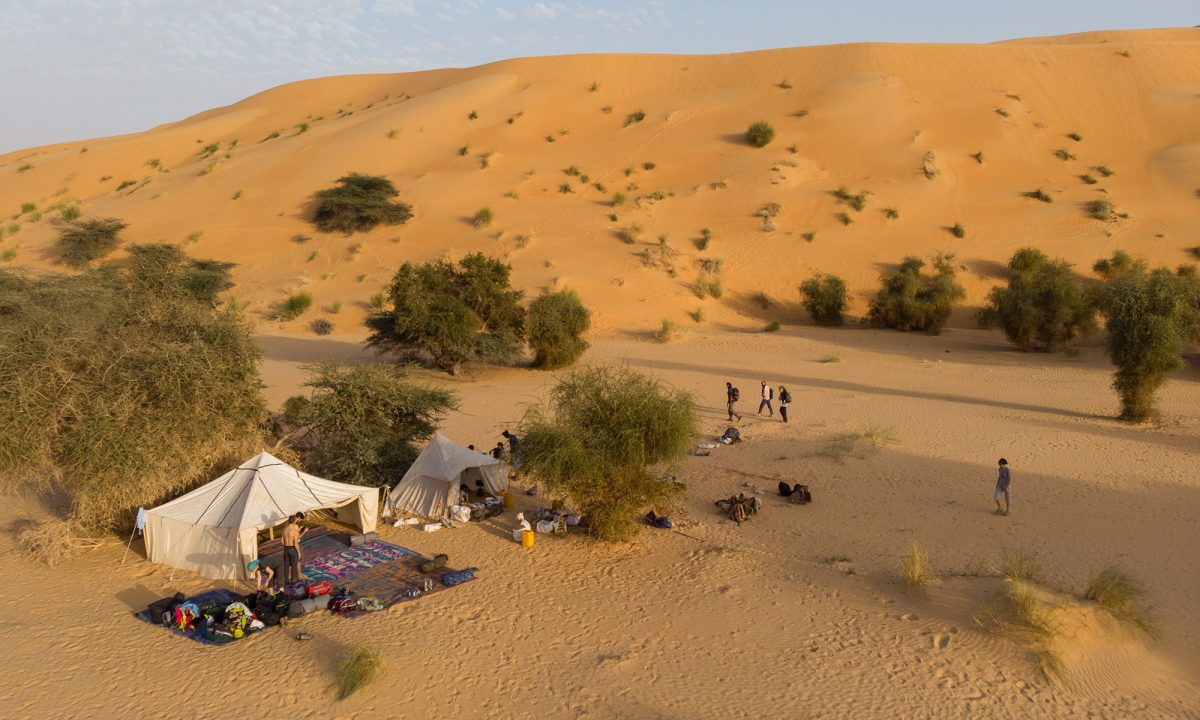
(770, 393)
(343, 604)
(735, 394)
(737, 513)
(785, 397)
(430, 565)
(785, 489)
(801, 494)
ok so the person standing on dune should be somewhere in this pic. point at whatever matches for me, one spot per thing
(731, 396)
(768, 394)
(1003, 478)
(785, 399)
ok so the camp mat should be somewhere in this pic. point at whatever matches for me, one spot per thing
(218, 596)
(390, 581)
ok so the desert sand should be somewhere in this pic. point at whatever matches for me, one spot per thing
(802, 611)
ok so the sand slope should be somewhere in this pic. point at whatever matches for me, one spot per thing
(877, 116)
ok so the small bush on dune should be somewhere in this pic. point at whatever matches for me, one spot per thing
(759, 134)
(709, 284)
(824, 297)
(321, 326)
(667, 331)
(481, 219)
(635, 117)
(1021, 615)
(295, 306)
(357, 667)
(1122, 597)
(915, 566)
(362, 424)
(772, 326)
(596, 438)
(1044, 307)
(1039, 194)
(958, 231)
(88, 240)
(908, 300)
(557, 321)
(359, 203)
(1100, 209)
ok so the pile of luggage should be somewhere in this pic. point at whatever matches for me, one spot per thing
(739, 507)
(217, 622)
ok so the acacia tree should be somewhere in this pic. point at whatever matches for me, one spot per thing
(596, 438)
(557, 320)
(1044, 307)
(362, 424)
(451, 313)
(359, 203)
(1151, 317)
(908, 300)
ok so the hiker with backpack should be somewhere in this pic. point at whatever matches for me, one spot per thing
(732, 395)
(785, 399)
(768, 394)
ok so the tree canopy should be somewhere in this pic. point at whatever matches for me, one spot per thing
(359, 203)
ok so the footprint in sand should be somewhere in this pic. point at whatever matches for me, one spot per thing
(940, 641)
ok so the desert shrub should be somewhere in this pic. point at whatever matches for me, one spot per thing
(630, 233)
(295, 306)
(706, 237)
(667, 331)
(356, 667)
(359, 203)
(708, 284)
(824, 297)
(451, 313)
(914, 565)
(1039, 194)
(958, 231)
(1088, 179)
(618, 199)
(1104, 171)
(596, 438)
(635, 117)
(87, 240)
(363, 423)
(1063, 154)
(321, 326)
(891, 213)
(120, 387)
(1021, 614)
(759, 134)
(857, 202)
(1122, 597)
(1100, 209)
(1151, 316)
(28, 207)
(482, 218)
(1044, 307)
(557, 320)
(1075, 136)
(908, 300)
(772, 326)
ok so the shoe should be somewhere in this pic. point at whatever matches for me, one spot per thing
(304, 636)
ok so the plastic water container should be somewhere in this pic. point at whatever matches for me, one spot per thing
(508, 499)
(527, 538)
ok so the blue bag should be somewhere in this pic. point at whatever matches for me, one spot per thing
(451, 579)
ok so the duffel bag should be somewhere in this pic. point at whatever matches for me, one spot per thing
(322, 588)
(295, 609)
(165, 605)
(457, 577)
(430, 565)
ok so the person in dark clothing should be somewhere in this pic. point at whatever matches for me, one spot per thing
(1003, 479)
(498, 451)
(291, 550)
(785, 399)
(514, 450)
(768, 394)
(265, 572)
(731, 396)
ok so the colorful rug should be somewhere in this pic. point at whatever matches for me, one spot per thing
(317, 542)
(350, 561)
(390, 582)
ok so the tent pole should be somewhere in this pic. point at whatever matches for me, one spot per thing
(127, 546)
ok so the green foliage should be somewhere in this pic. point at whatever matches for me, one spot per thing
(24, 167)
(772, 326)
(359, 203)
(635, 117)
(1039, 194)
(1063, 154)
(857, 202)
(630, 233)
(451, 313)
(958, 231)
(1044, 307)
(1088, 179)
(70, 213)
(1122, 597)
(908, 300)
(667, 331)
(891, 213)
(358, 666)
(706, 237)
(482, 218)
(648, 166)
(1075, 136)
(121, 387)
(88, 240)
(618, 199)
(295, 306)
(1104, 171)
(759, 134)
(708, 284)
(1100, 209)
(28, 207)
(321, 326)
(557, 321)
(824, 297)
(594, 441)
(362, 424)
(1151, 316)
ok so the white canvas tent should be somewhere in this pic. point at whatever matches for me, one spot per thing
(430, 486)
(213, 529)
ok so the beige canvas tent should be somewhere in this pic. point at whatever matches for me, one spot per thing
(213, 529)
(430, 486)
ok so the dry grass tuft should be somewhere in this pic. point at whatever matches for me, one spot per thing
(915, 566)
(1122, 597)
(356, 668)
(53, 541)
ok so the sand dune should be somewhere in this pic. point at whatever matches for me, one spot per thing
(800, 613)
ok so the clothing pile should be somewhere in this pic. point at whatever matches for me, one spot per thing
(739, 507)
(730, 436)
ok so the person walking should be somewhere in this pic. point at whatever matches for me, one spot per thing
(514, 449)
(732, 395)
(785, 399)
(1003, 479)
(768, 394)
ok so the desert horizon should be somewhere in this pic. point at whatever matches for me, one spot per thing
(683, 200)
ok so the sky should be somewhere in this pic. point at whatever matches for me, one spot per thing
(74, 69)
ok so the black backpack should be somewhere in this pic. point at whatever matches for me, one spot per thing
(801, 494)
(770, 393)
(785, 397)
(735, 394)
(785, 489)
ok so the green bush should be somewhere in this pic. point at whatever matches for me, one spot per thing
(482, 219)
(321, 326)
(1100, 209)
(362, 424)
(87, 240)
(122, 388)
(759, 134)
(359, 203)
(1151, 317)
(360, 664)
(557, 320)
(596, 438)
(295, 306)
(824, 297)
(1044, 307)
(451, 313)
(908, 300)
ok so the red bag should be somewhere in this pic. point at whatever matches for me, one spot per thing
(322, 588)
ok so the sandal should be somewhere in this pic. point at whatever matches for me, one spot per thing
(303, 636)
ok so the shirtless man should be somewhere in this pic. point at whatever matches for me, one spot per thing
(292, 533)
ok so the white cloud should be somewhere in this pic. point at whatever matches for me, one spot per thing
(505, 14)
(543, 11)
